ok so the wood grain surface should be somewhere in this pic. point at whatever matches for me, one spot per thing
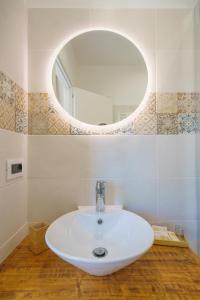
(169, 273)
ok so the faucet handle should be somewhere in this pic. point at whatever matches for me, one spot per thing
(100, 184)
(101, 181)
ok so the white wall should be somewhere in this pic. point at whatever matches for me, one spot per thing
(140, 174)
(151, 175)
(13, 37)
(197, 86)
(165, 37)
(13, 62)
(112, 4)
(13, 194)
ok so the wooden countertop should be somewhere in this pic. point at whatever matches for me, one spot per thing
(169, 273)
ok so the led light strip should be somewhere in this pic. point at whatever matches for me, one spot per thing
(84, 126)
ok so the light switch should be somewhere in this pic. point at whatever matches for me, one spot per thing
(15, 168)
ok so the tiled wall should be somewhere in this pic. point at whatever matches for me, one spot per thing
(197, 84)
(13, 122)
(171, 109)
(43, 117)
(165, 113)
(153, 176)
(13, 193)
(13, 106)
(165, 37)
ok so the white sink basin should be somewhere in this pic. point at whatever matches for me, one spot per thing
(123, 234)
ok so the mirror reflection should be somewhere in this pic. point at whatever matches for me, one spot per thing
(99, 77)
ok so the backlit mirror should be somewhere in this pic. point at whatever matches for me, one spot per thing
(99, 77)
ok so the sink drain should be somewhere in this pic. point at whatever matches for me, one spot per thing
(99, 221)
(99, 252)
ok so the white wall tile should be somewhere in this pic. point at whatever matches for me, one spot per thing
(49, 27)
(174, 71)
(175, 156)
(13, 193)
(13, 37)
(174, 29)
(63, 173)
(138, 24)
(92, 156)
(197, 159)
(39, 78)
(177, 199)
(59, 156)
(191, 234)
(139, 4)
(129, 166)
(51, 198)
(13, 209)
(63, 22)
(13, 62)
(129, 192)
(12, 146)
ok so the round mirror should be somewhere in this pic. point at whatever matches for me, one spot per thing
(99, 77)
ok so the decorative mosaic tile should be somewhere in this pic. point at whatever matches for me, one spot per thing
(7, 115)
(7, 89)
(187, 102)
(38, 124)
(56, 125)
(38, 113)
(187, 123)
(164, 113)
(44, 118)
(197, 122)
(198, 103)
(38, 103)
(51, 107)
(78, 131)
(21, 110)
(7, 103)
(167, 124)
(150, 107)
(13, 105)
(21, 98)
(21, 121)
(166, 103)
(145, 124)
(125, 130)
(185, 96)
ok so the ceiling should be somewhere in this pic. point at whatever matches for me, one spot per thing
(105, 48)
(109, 4)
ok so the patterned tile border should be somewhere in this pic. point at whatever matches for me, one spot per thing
(166, 103)
(13, 106)
(164, 113)
(167, 123)
(44, 118)
(35, 113)
(145, 124)
(187, 123)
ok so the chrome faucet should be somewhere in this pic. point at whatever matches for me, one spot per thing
(100, 196)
